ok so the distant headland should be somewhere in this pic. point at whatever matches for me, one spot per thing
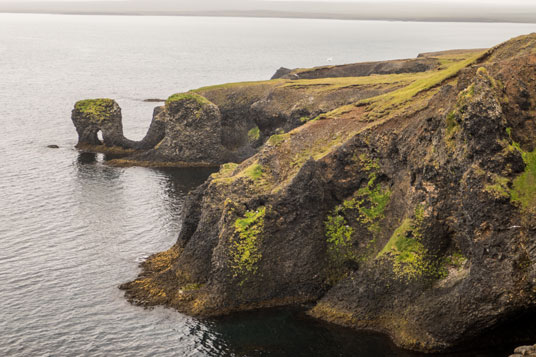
(366, 10)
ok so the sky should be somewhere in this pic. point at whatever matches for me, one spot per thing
(502, 2)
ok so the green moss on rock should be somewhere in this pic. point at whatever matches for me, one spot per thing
(339, 236)
(98, 108)
(177, 97)
(254, 134)
(406, 251)
(254, 171)
(368, 204)
(245, 243)
(276, 139)
(372, 199)
(499, 187)
(523, 191)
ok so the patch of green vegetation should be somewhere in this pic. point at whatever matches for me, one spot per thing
(382, 104)
(339, 236)
(509, 132)
(237, 84)
(192, 287)
(456, 259)
(452, 124)
(453, 118)
(410, 259)
(254, 134)
(463, 99)
(368, 207)
(398, 235)
(226, 170)
(499, 187)
(244, 250)
(336, 83)
(99, 108)
(304, 119)
(276, 139)
(483, 72)
(335, 112)
(254, 171)
(406, 251)
(523, 191)
(371, 199)
(187, 96)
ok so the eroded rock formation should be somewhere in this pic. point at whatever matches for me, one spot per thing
(412, 213)
(229, 123)
(403, 203)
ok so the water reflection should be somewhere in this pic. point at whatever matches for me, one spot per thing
(90, 166)
(86, 158)
(178, 181)
(289, 332)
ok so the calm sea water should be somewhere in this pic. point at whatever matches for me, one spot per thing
(72, 229)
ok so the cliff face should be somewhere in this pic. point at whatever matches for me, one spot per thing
(412, 212)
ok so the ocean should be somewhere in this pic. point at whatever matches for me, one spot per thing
(72, 228)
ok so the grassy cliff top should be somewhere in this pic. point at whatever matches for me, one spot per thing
(177, 97)
(99, 107)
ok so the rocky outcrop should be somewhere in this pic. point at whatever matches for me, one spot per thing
(92, 116)
(225, 123)
(412, 213)
(529, 351)
(361, 69)
(187, 130)
(282, 71)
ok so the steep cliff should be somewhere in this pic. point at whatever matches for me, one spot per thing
(411, 212)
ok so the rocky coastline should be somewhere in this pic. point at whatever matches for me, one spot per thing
(396, 196)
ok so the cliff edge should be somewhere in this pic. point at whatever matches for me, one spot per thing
(403, 203)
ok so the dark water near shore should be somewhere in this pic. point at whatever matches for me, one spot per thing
(72, 229)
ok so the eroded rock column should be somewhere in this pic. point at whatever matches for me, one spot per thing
(93, 115)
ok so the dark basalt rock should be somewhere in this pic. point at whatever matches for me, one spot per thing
(415, 218)
(53, 146)
(91, 116)
(188, 129)
(282, 71)
(360, 69)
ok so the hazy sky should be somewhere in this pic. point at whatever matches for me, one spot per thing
(522, 11)
(502, 2)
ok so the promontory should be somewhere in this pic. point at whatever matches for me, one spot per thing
(395, 196)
